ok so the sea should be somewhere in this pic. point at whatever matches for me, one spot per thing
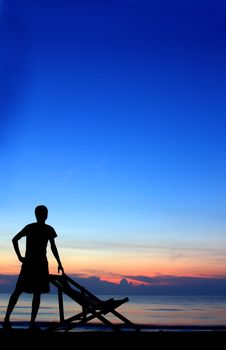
(152, 310)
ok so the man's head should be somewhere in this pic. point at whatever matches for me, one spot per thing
(41, 213)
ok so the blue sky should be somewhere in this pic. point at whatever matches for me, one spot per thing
(113, 115)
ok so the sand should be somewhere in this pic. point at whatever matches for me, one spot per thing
(21, 338)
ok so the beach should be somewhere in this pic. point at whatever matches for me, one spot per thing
(103, 338)
(161, 320)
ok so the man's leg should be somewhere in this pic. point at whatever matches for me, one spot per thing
(12, 302)
(35, 307)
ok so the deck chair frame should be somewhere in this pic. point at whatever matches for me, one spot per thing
(92, 306)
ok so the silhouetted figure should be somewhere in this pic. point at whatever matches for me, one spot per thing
(34, 274)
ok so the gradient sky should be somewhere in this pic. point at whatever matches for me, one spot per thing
(113, 114)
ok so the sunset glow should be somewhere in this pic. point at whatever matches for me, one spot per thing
(113, 116)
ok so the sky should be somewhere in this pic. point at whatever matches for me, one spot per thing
(112, 114)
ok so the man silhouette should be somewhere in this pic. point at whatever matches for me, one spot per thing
(34, 273)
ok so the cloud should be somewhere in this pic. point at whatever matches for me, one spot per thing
(157, 285)
(173, 285)
(175, 250)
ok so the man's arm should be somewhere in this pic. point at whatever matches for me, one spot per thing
(16, 246)
(56, 254)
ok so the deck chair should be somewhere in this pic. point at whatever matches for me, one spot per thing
(91, 306)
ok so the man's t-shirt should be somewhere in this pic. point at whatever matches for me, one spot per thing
(37, 237)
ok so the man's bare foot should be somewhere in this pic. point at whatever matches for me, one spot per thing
(6, 325)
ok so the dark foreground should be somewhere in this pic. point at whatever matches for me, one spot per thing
(23, 339)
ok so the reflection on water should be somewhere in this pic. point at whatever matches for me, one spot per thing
(152, 310)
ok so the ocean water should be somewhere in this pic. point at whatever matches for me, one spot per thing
(151, 310)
